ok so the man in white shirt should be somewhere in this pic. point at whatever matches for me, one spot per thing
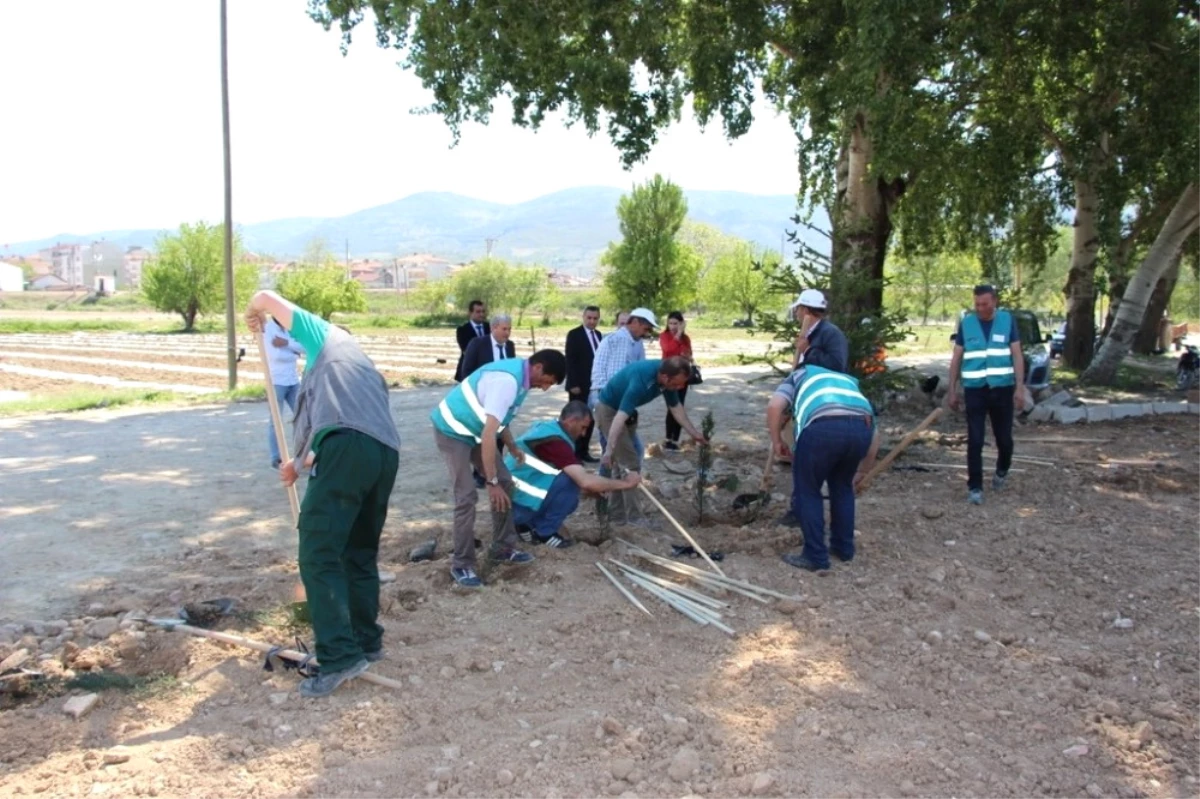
(617, 350)
(282, 355)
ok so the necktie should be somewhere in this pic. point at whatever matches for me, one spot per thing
(592, 338)
(499, 352)
(478, 330)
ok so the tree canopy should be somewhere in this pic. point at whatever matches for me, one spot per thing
(649, 267)
(187, 274)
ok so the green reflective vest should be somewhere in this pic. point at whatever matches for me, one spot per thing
(533, 478)
(823, 390)
(987, 362)
(461, 416)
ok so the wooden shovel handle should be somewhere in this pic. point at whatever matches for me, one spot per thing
(896, 450)
(277, 420)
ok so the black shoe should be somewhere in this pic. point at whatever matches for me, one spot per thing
(802, 562)
(844, 558)
(525, 533)
(671, 446)
(788, 520)
(557, 542)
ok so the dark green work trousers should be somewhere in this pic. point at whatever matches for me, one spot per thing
(341, 519)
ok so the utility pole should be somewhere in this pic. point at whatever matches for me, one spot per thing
(489, 243)
(230, 323)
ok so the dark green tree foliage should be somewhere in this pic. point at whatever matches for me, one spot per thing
(649, 267)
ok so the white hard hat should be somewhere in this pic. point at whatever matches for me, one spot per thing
(644, 313)
(809, 298)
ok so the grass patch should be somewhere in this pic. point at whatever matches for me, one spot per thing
(1130, 379)
(66, 325)
(84, 400)
(142, 687)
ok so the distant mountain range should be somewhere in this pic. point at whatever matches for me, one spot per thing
(567, 230)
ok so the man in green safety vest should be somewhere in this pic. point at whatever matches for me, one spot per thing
(836, 443)
(987, 356)
(547, 485)
(465, 426)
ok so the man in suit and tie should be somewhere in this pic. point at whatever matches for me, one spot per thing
(582, 343)
(496, 346)
(475, 327)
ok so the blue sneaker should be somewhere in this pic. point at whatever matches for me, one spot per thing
(327, 681)
(975, 496)
(467, 578)
(511, 556)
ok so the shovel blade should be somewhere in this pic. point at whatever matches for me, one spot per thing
(425, 551)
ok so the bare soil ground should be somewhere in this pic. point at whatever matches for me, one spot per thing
(1043, 644)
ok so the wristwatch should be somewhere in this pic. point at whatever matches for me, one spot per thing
(495, 481)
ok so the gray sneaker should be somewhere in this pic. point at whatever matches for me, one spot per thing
(998, 481)
(327, 682)
(975, 497)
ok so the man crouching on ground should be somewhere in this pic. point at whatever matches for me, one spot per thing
(548, 484)
(345, 433)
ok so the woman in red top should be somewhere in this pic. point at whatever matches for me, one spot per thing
(674, 341)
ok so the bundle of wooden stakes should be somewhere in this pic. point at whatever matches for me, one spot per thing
(696, 605)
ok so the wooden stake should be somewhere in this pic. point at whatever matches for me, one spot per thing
(679, 527)
(721, 581)
(934, 415)
(695, 596)
(277, 420)
(623, 590)
(287, 654)
(956, 466)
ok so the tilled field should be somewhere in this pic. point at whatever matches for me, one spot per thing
(198, 363)
(1044, 644)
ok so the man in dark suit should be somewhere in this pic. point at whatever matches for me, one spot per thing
(475, 327)
(495, 346)
(581, 351)
(820, 342)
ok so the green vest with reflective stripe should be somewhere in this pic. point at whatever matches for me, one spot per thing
(987, 362)
(461, 416)
(824, 390)
(533, 478)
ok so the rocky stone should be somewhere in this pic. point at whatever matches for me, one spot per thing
(447, 673)
(452, 752)
(612, 726)
(684, 764)
(788, 607)
(621, 768)
(116, 755)
(103, 628)
(504, 778)
(762, 785)
(933, 637)
(1093, 790)
(79, 706)
(907, 788)
(932, 512)
(982, 637)
(1143, 732)
(279, 698)
(1078, 750)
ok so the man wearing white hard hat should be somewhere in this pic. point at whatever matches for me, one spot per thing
(820, 342)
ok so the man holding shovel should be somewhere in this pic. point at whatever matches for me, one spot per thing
(836, 443)
(466, 425)
(344, 433)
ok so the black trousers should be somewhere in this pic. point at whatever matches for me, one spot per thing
(673, 427)
(994, 403)
(584, 443)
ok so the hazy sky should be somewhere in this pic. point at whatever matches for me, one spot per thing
(111, 119)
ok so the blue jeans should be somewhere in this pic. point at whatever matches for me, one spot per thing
(284, 394)
(828, 451)
(561, 501)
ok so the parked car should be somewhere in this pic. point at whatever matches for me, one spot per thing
(1057, 339)
(1033, 347)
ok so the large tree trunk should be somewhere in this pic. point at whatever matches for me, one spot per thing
(862, 229)
(1147, 341)
(1080, 290)
(1181, 224)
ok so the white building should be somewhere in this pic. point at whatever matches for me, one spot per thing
(11, 278)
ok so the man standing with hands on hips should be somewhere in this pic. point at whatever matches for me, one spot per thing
(988, 358)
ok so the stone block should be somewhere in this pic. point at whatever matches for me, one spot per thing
(1070, 415)
(1170, 407)
(1061, 398)
(1041, 413)
(1099, 413)
(1194, 407)
(79, 706)
(1127, 410)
